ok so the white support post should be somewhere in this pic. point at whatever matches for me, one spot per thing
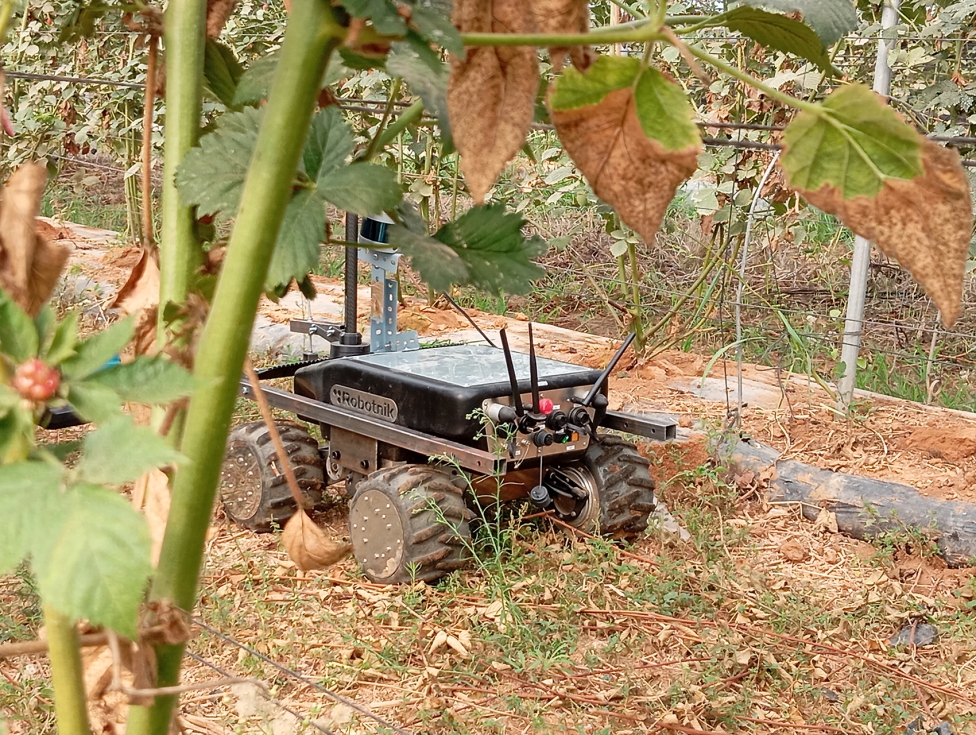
(861, 261)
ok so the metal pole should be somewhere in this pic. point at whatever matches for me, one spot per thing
(861, 261)
(352, 272)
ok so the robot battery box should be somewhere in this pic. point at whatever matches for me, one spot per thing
(438, 390)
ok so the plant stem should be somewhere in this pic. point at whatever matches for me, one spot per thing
(374, 144)
(404, 120)
(638, 315)
(6, 13)
(147, 123)
(636, 31)
(179, 251)
(311, 36)
(742, 76)
(64, 653)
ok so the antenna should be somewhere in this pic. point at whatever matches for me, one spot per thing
(533, 373)
(512, 379)
(607, 370)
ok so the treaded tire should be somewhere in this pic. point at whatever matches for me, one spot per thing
(253, 488)
(625, 489)
(409, 523)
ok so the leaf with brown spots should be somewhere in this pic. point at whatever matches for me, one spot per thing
(309, 546)
(491, 92)
(630, 131)
(30, 265)
(860, 161)
(565, 16)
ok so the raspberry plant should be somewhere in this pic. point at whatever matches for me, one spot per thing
(270, 169)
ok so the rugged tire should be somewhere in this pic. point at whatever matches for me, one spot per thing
(624, 488)
(409, 523)
(253, 488)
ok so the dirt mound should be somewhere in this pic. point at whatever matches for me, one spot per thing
(953, 443)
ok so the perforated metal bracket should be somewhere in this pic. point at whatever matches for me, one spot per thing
(383, 333)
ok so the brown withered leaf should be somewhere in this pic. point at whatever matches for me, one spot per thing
(308, 545)
(491, 92)
(636, 175)
(141, 288)
(565, 16)
(30, 265)
(924, 223)
(151, 495)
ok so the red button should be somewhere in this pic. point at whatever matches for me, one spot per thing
(545, 405)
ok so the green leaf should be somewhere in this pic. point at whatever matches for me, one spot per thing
(661, 105)
(43, 323)
(212, 174)
(439, 265)
(146, 380)
(16, 433)
(383, 13)
(18, 335)
(94, 352)
(435, 25)
(428, 78)
(98, 564)
(363, 188)
(119, 451)
(830, 19)
(778, 32)
(855, 147)
(574, 89)
(255, 82)
(64, 340)
(222, 72)
(94, 402)
(486, 240)
(29, 500)
(329, 143)
(296, 252)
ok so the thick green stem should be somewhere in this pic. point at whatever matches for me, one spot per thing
(636, 31)
(312, 33)
(184, 39)
(6, 13)
(64, 653)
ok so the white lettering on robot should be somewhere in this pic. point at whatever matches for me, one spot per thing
(362, 402)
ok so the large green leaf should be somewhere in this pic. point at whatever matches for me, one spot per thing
(63, 341)
(255, 82)
(426, 77)
(484, 248)
(661, 105)
(363, 188)
(29, 509)
(212, 174)
(94, 352)
(97, 565)
(830, 19)
(329, 143)
(777, 32)
(120, 451)
(296, 252)
(18, 334)
(222, 72)
(146, 380)
(855, 147)
(94, 402)
(433, 20)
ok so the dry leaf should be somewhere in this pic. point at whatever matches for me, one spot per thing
(793, 551)
(636, 175)
(141, 289)
(491, 92)
(565, 16)
(30, 265)
(924, 223)
(152, 496)
(440, 638)
(308, 545)
(826, 520)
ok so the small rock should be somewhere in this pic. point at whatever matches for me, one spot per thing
(793, 551)
(669, 527)
(915, 726)
(915, 634)
(830, 695)
(943, 728)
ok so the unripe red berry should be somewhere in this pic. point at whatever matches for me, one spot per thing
(35, 381)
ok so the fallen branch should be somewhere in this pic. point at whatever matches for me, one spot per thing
(36, 647)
